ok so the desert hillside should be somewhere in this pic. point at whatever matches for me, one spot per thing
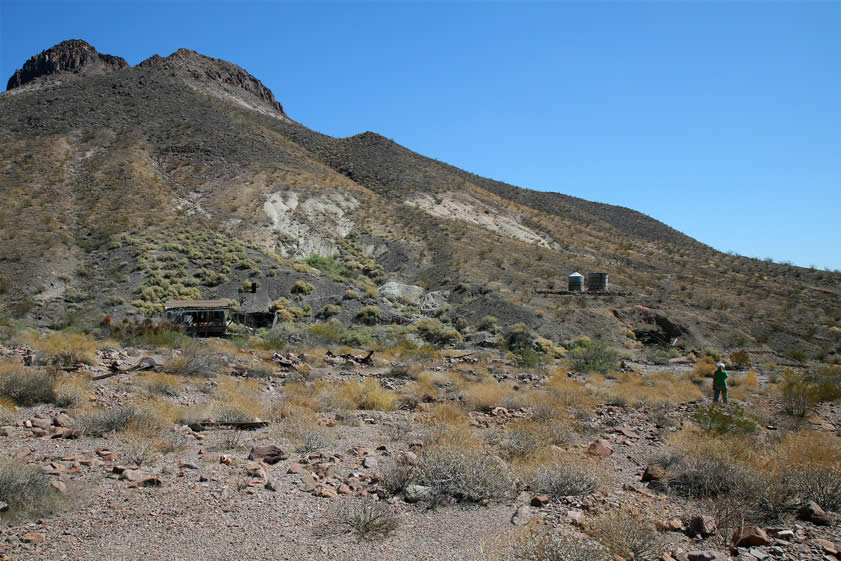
(401, 370)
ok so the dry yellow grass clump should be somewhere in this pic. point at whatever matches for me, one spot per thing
(66, 348)
(656, 388)
(365, 395)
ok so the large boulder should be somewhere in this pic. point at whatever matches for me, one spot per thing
(750, 536)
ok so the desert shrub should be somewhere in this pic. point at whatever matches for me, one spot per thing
(26, 386)
(369, 315)
(627, 535)
(594, 356)
(740, 360)
(117, 419)
(67, 348)
(704, 477)
(397, 476)
(365, 517)
(71, 391)
(484, 396)
(161, 383)
(350, 294)
(826, 382)
(661, 387)
(704, 368)
(302, 288)
(357, 337)
(661, 354)
(798, 392)
(433, 331)
(27, 490)
(237, 401)
(539, 542)
(328, 311)
(197, 360)
(464, 473)
(565, 478)
(731, 419)
(487, 323)
(819, 483)
(366, 395)
(527, 437)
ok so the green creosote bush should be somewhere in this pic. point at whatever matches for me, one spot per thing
(328, 311)
(433, 331)
(302, 288)
(594, 356)
(732, 420)
(369, 315)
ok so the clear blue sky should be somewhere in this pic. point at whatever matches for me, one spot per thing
(721, 119)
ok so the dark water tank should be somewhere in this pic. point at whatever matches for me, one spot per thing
(597, 281)
(576, 282)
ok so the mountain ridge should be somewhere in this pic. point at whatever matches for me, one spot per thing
(103, 169)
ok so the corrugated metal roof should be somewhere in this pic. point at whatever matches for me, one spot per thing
(577, 275)
(194, 304)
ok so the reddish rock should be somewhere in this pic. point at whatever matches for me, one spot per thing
(59, 486)
(653, 473)
(827, 546)
(33, 537)
(297, 469)
(40, 433)
(600, 448)
(676, 525)
(132, 475)
(344, 490)
(147, 482)
(701, 526)
(750, 536)
(540, 500)
(325, 491)
(268, 454)
(628, 433)
(42, 423)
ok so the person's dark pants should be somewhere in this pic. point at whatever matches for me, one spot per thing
(719, 391)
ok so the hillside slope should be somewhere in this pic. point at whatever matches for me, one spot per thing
(184, 177)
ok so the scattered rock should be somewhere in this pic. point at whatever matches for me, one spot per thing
(4, 506)
(540, 500)
(369, 462)
(600, 448)
(268, 454)
(416, 493)
(147, 482)
(59, 486)
(132, 475)
(522, 516)
(812, 512)
(33, 537)
(325, 491)
(701, 526)
(225, 459)
(826, 546)
(296, 469)
(701, 556)
(653, 473)
(749, 536)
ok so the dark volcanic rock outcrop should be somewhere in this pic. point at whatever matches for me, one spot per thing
(73, 57)
(224, 76)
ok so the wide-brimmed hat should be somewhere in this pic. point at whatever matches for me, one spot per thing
(721, 365)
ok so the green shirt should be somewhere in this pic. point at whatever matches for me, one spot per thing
(720, 379)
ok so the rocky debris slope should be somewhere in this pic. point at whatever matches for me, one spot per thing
(73, 57)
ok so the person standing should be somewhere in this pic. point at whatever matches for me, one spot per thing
(720, 383)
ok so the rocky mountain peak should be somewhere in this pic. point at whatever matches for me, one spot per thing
(216, 76)
(73, 57)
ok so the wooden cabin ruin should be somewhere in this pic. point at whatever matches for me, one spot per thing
(199, 318)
